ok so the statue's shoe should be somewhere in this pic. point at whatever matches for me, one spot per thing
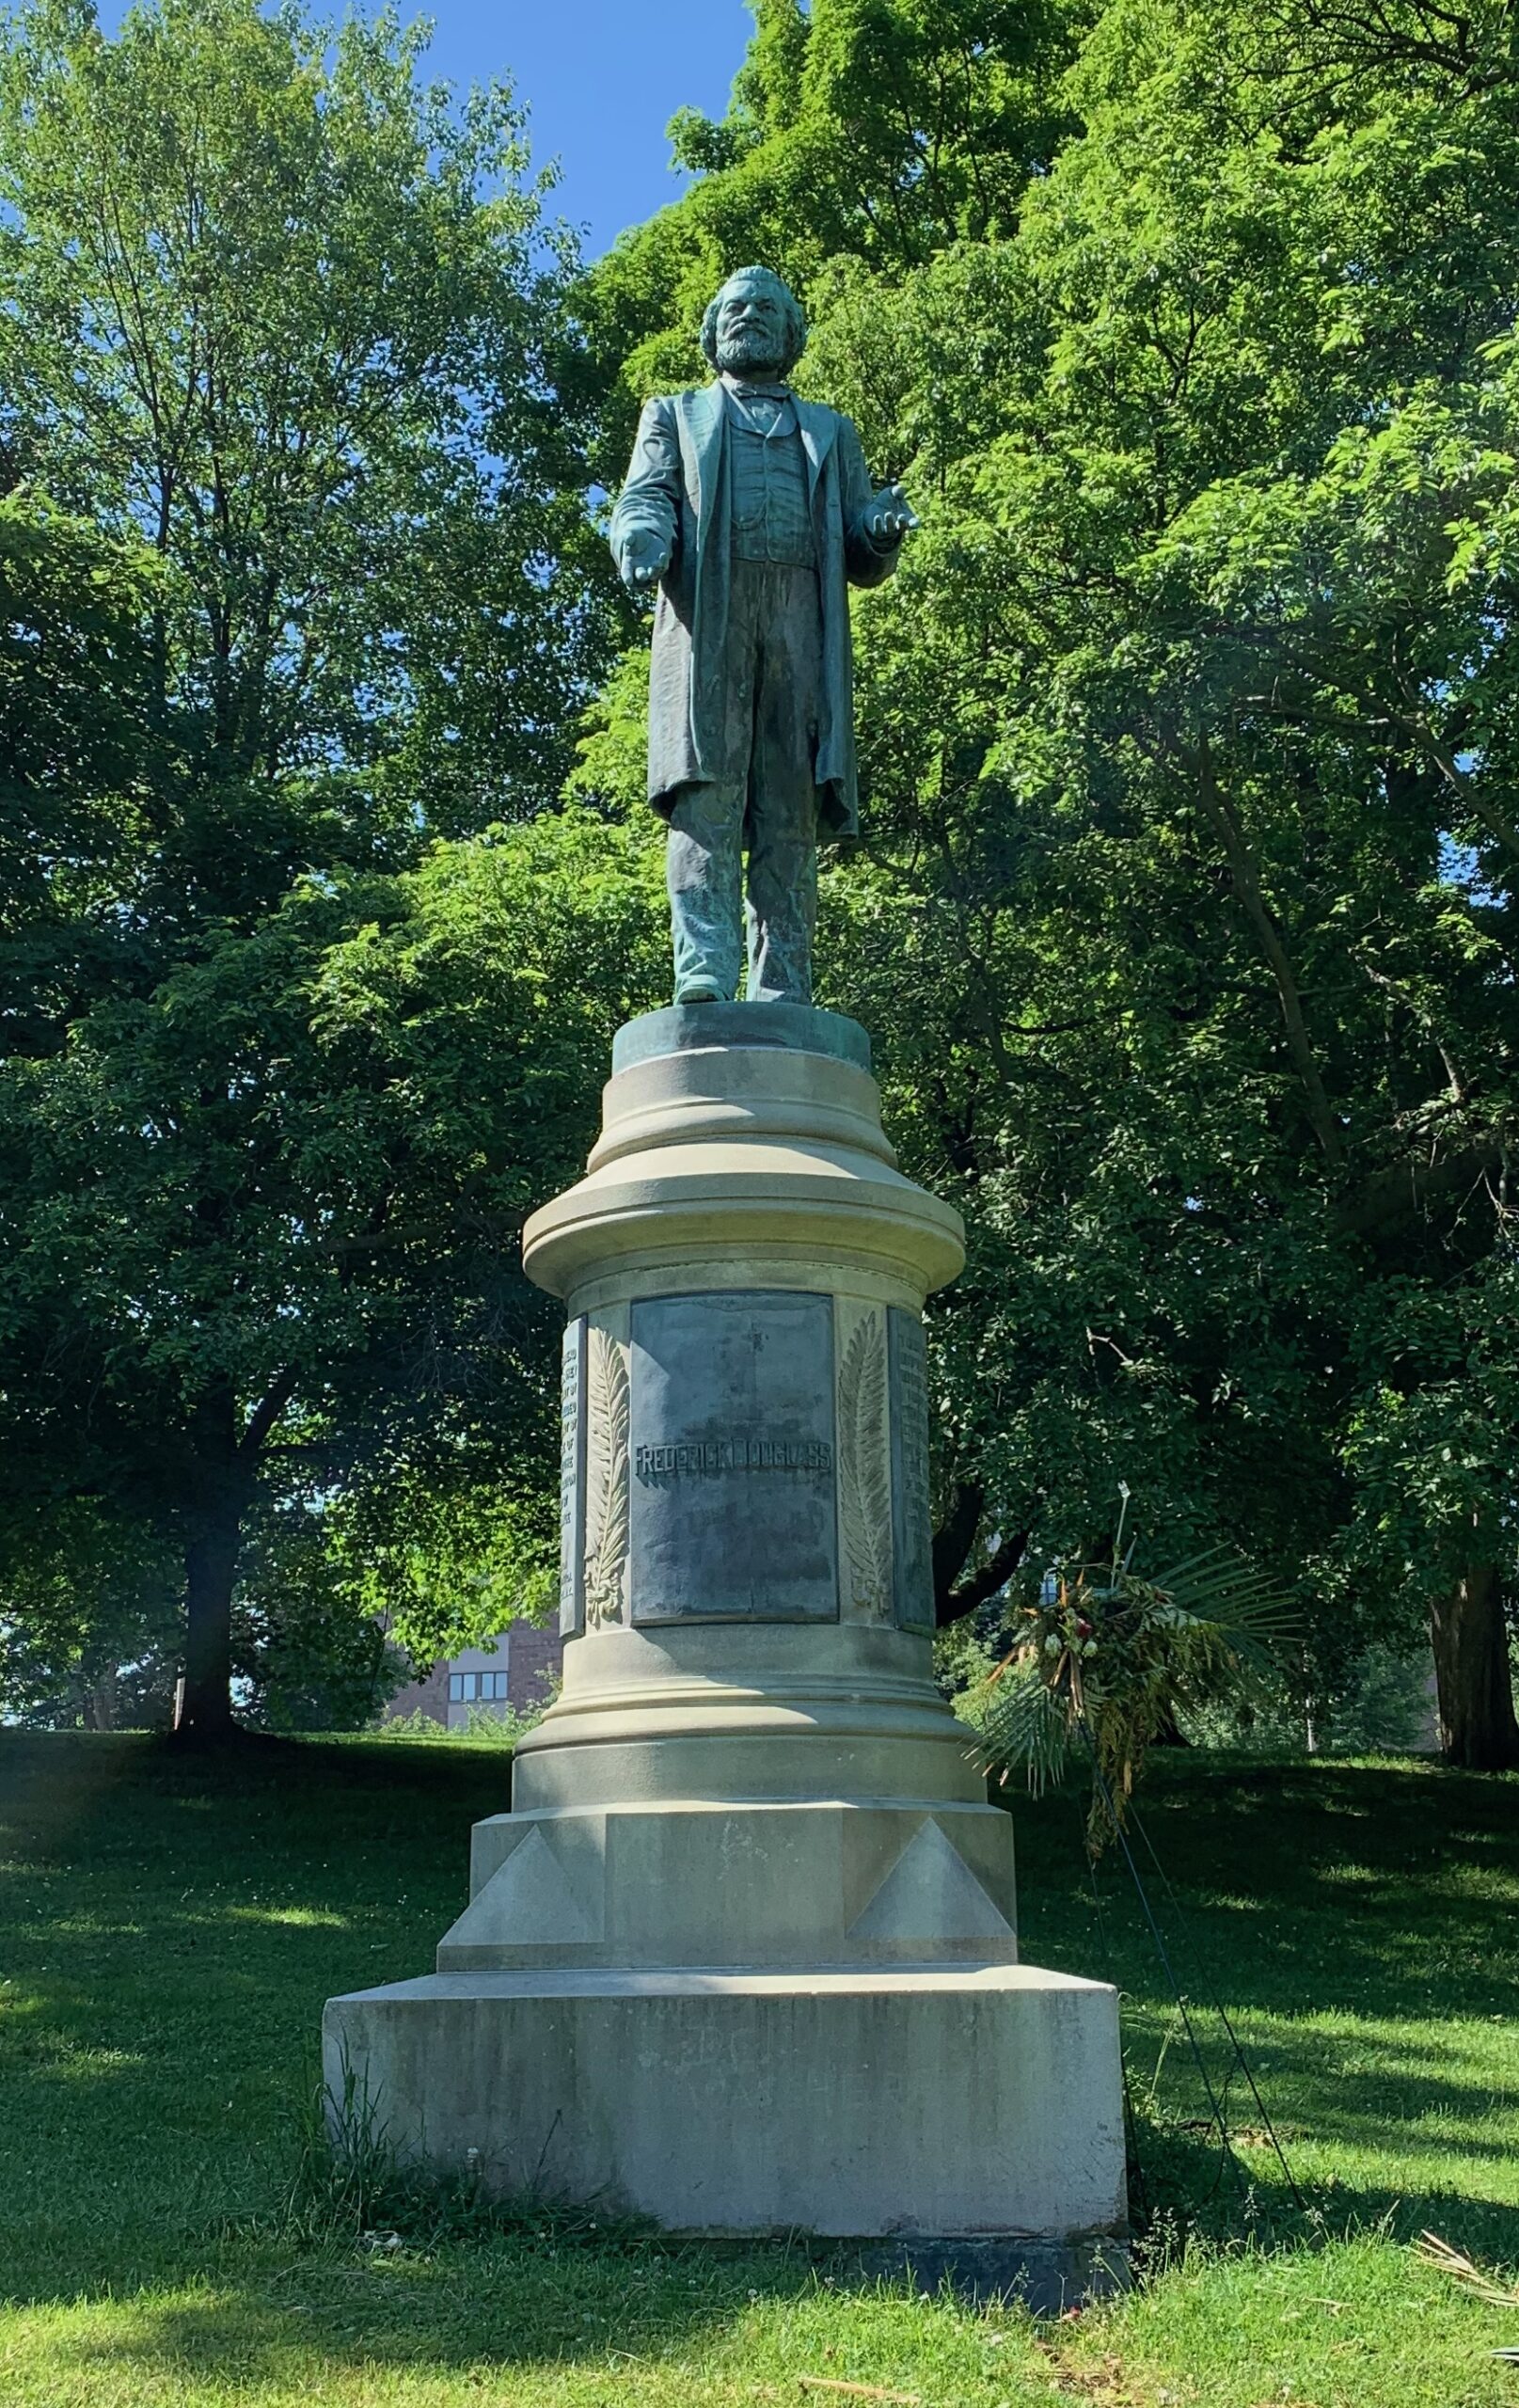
(699, 990)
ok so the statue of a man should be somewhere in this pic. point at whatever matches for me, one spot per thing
(751, 511)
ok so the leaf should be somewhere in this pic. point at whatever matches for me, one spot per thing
(609, 1495)
(1027, 1729)
(865, 1469)
(1465, 2271)
(1220, 1586)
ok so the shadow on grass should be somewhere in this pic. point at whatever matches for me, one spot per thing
(1356, 1923)
(495, 2304)
(171, 1926)
(173, 1923)
(1377, 1891)
(1185, 2189)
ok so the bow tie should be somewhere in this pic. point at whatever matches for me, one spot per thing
(745, 392)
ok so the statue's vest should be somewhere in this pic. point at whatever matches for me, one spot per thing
(771, 504)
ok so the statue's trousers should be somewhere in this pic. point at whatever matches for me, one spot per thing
(762, 797)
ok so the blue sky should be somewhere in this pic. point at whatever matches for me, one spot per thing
(602, 79)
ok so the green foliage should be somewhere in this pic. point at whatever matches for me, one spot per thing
(298, 582)
(447, 1566)
(305, 1658)
(484, 1727)
(868, 130)
(287, 313)
(1377, 1703)
(1386, 1710)
(89, 1618)
(76, 752)
(1107, 1660)
(283, 1180)
(1185, 929)
(1429, 1439)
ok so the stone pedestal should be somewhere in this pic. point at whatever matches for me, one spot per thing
(743, 1954)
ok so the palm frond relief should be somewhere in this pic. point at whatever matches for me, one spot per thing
(865, 1471)
(609, 1499)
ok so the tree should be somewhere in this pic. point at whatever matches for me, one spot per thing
(76, 738)
(1186, 926)
(90, 1617)
(868, 132)
(278, 353)
(272, 1213)
(289, 315)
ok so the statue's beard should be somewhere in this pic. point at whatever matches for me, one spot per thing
(748, 354)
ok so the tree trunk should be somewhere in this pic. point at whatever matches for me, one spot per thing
(224, 1477)
(1473, 1683)
(204, 1708)
(954, 1596)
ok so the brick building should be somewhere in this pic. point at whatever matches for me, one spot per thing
(512, 1677)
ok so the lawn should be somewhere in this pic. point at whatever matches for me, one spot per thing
(169, 1931)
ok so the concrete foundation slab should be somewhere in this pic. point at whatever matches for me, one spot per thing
(947, 2102)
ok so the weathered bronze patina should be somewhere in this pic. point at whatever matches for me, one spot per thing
(752, 512)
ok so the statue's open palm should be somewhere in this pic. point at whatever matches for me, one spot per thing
(890, 517)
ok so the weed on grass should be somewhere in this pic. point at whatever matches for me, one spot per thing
(351, 2188)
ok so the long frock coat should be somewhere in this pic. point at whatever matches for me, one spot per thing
(677, 490)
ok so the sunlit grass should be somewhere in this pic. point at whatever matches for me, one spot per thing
(168, 1933)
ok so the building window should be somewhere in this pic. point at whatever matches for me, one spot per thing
(466, 1687)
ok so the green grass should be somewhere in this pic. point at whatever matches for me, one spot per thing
(169, 1931)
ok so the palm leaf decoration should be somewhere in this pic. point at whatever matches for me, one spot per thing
(606, 1450)
(1220, 1586)
(1107, 1659)
(864, 1466)
(1026, 1725)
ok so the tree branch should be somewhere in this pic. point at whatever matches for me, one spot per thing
(265, 1415)
(1246, 876)
(1403, 1192)
(952, 1544)
(984, 1584)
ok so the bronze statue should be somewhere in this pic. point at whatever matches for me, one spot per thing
(751, 511)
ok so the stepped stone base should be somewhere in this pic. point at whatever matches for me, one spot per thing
(676, 1883)
(962, 2101)
(743, 1957)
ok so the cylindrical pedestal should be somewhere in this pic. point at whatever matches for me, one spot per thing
(750, 1867)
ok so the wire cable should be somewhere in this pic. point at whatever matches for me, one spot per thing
(1214, 2104)
(1222, 2012)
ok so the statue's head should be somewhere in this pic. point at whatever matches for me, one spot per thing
(755, 326)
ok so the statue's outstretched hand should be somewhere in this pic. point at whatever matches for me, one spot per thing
(890, 517)
(646, 558)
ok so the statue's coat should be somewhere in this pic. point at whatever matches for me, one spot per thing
(677, 490)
